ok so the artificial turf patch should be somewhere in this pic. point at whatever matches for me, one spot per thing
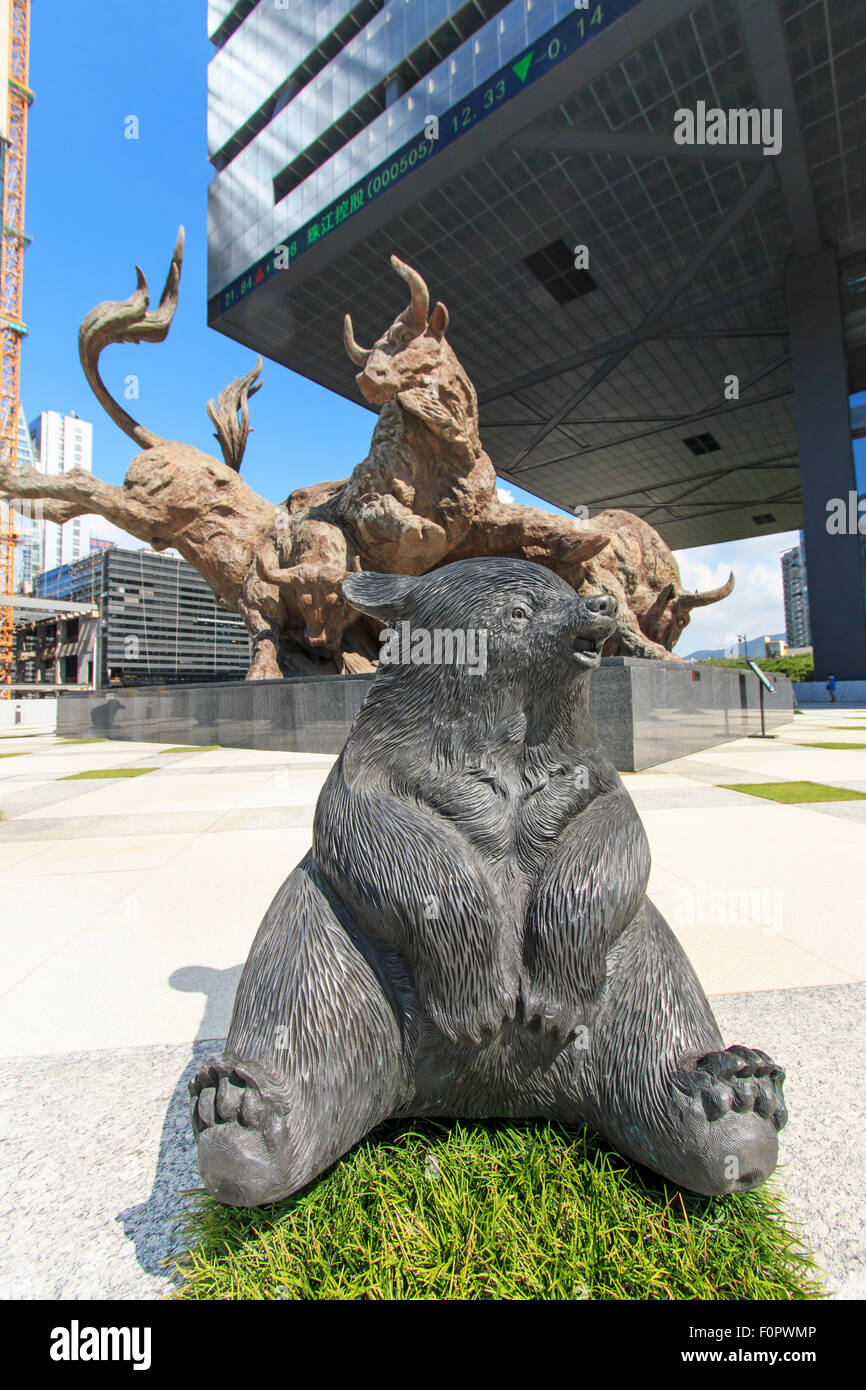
(194, 748)
(795, 791)
(96, 774)
(423, 1210)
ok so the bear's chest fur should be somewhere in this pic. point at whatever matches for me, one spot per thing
(510, 810)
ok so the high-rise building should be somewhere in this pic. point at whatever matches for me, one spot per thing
(306, 100)
(28, 535)
(28, 546)
(61, 443)
(796, 594)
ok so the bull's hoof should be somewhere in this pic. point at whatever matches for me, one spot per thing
(264, 668)
(245, 1152)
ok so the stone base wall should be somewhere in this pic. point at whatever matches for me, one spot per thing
(646, 711)
(651, 711)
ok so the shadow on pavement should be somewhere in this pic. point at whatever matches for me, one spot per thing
(153, 1226)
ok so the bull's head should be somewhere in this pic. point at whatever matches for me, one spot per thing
(414, 364)
(671, 612)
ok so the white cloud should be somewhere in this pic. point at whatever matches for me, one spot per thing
(504, 495)
(755, 607)
(104, 530)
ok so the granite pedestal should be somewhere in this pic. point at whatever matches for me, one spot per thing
(647, 712)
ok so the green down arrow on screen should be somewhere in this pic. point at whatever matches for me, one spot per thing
(522, 68)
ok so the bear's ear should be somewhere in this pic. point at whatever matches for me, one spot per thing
(381, 596)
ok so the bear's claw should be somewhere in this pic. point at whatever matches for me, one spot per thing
(738, 1079)
(225, 1090)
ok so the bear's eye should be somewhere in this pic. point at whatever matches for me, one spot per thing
(519, 612)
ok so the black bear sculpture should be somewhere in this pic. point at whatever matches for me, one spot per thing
(470, 934)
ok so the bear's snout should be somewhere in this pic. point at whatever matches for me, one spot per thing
(594, 621)
(603, 604)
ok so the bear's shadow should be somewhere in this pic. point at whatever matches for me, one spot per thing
(154, 1226)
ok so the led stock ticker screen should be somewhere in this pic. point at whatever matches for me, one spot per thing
(557, 44)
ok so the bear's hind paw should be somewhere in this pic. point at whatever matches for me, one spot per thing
(738, 1079)
(244, 1152)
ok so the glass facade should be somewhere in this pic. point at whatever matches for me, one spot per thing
(274, 44)
(159, 619)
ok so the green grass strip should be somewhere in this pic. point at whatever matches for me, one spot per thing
(65, 742)
(193, 748)
(832, 745)
(423, 1210)
(25, 753)
(794, 791)
(98, 774)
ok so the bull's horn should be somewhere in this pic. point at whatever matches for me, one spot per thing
(358, 354)
(416, 314)
(700, 600)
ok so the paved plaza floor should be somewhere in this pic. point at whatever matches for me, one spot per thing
(129, 903)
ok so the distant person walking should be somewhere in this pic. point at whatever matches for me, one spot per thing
(831, 686)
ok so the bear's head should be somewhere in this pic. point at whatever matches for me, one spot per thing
(490, 622)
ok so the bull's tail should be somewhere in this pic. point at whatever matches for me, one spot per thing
(129, 321)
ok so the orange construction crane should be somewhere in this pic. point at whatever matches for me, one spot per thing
(12, 330)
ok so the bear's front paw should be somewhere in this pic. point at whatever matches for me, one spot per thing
(736, 1080)
(721, 1134)
(475, 1021)
(557, 1018)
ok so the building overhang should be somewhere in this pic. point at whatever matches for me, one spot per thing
(666, 388)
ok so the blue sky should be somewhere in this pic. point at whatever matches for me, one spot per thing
(98, 203)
